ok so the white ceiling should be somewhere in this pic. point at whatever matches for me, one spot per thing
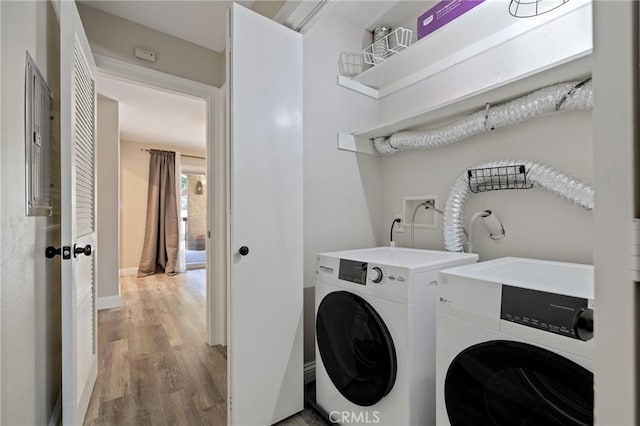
(157, 117)
(200, 22)
(388, 12)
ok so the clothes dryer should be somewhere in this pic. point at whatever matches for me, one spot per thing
(514, 344)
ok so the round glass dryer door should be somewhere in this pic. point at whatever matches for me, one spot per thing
(510, 383)
(356, 348)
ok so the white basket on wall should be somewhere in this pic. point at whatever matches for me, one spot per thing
(394, 42)
(350, 64)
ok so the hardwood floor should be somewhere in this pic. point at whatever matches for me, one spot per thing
(154, 366)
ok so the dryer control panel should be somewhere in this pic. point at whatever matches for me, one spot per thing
(555, 313)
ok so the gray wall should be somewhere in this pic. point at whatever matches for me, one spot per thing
(108, 151)
(268, 8)
(537, 223)
(342, 195)
(350, 199)
(29, 283)
(116, 37)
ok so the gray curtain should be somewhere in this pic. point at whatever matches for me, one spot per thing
(161, 239)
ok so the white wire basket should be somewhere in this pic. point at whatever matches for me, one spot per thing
(350, 64)
(394, 42)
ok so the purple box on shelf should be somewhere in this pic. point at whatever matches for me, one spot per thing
(443, 13)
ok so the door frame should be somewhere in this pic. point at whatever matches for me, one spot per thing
(617, 203)
(216, 289)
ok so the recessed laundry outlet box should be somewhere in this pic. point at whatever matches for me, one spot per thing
(425, 218)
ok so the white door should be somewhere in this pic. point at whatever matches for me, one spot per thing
(265, 300)
(78, 194)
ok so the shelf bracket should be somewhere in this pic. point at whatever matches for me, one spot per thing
(356, 86)
(350, 142)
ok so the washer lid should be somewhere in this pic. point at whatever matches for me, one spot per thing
(356, 348)
(414, 259)
(571, 279)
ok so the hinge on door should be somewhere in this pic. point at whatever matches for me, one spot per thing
(635, 250)
(229, 30)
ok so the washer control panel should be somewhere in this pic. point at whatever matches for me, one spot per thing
(362, 273)
(353, 271)
(383, 274)
(373, 279)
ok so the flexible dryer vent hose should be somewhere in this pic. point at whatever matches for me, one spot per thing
(541, 176)
(574, 95)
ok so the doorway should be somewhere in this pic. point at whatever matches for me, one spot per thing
(216, 272)
(167, 326)
(193, 219)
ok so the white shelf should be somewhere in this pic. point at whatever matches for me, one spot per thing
(488, 26)
(361, 141)
(466, 80)
(356, 86)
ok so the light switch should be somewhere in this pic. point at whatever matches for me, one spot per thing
(145, 54)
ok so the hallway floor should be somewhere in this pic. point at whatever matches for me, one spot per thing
(195, 256)
(154, 366)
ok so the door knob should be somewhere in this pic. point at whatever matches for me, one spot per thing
(86, 250)
(244, 250)
(64, 251)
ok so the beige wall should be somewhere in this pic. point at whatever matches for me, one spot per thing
(29, 283)
(134, 180)
(116, 37)
(538, 224)
(267, 8)
(342, 190)
(196, 209)
(353, 204)
(108, 151)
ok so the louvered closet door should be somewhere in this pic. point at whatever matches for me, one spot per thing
(78, 216)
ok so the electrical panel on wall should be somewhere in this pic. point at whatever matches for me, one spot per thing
(37, 142)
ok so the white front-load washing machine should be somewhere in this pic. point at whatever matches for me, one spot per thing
(375, 334)
(514, 344)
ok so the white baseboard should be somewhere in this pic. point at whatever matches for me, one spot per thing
(109, 302)
(124, 272)
(309, 372)
(192, 266)
(56, 416)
